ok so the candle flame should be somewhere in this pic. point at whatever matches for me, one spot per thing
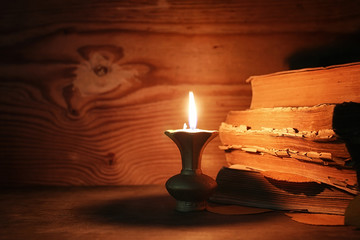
(192, 111)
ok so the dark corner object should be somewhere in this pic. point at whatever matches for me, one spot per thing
(344, 49)
(346, 124)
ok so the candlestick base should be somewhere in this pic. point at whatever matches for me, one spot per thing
(191, 188)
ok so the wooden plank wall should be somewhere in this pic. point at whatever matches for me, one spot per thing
(87, 88)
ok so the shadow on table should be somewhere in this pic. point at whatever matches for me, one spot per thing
(160, 210)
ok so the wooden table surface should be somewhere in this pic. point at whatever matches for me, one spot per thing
(137, 212)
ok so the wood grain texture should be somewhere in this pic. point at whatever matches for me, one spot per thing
(174, 15)
(87, 88)
(109, 142)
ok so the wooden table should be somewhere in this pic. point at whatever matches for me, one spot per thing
(137, 212)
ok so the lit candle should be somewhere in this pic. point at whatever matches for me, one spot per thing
(192, 114)
(191, 188)
(192, 111)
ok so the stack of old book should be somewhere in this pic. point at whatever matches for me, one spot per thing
(297, 146)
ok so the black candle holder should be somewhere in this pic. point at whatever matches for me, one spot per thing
(191, 188)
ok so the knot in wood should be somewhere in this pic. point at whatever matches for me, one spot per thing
(100, 70)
